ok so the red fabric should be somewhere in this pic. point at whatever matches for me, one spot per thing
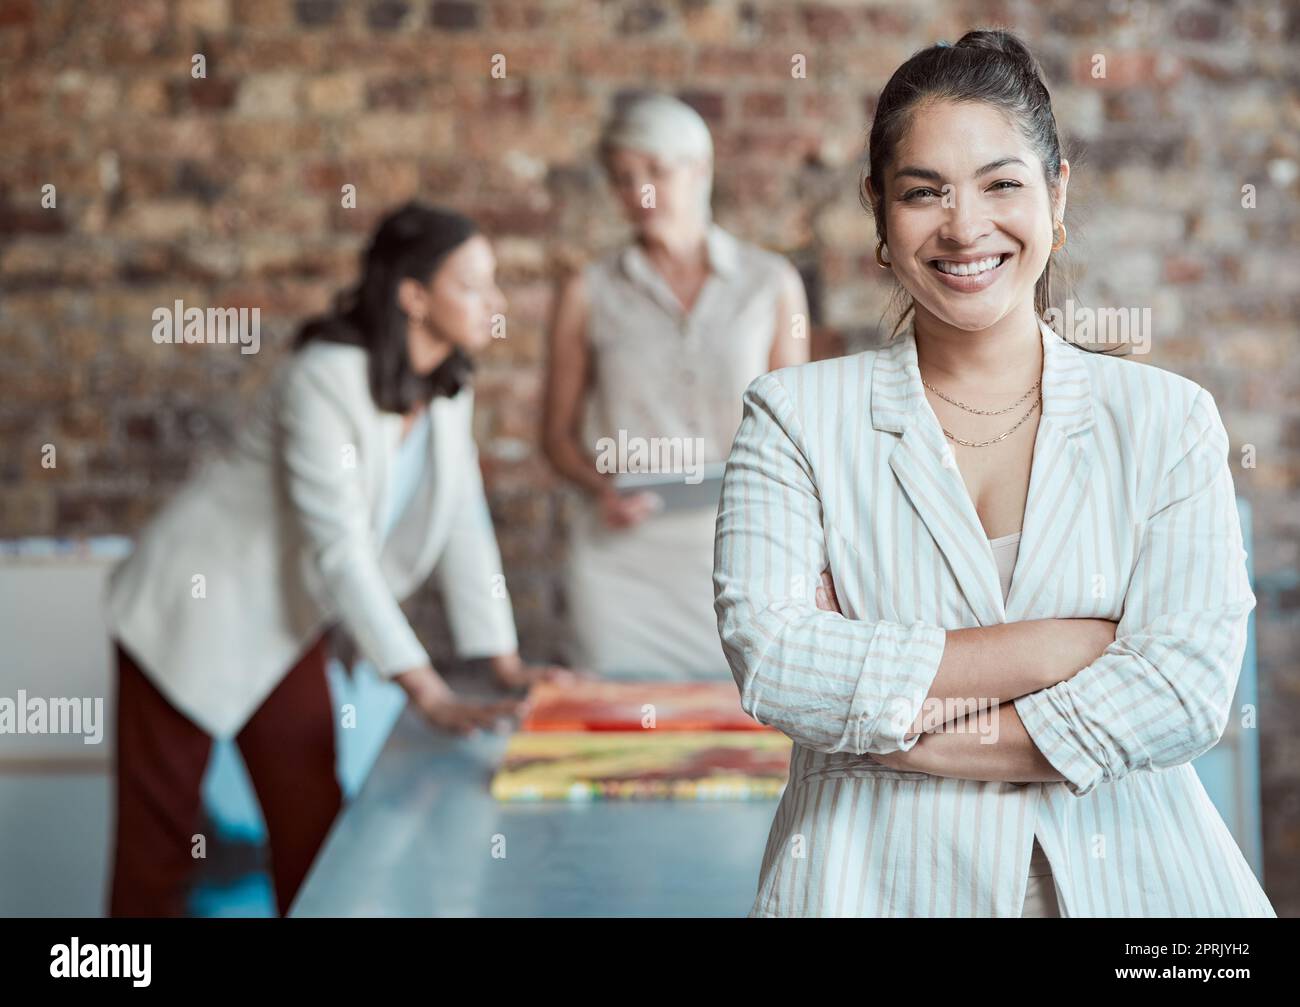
(288, 747)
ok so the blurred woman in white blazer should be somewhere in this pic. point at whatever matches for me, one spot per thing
(355, 478)
(991, 584)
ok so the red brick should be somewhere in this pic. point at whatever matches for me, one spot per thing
(17, 12)
(764, 105)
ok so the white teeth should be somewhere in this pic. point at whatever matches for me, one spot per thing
(968, 268)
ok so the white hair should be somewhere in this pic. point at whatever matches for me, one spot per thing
(661, 125)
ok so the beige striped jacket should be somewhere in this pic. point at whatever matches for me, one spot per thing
(1130, 516)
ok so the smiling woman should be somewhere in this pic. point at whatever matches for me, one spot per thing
(1008, 524)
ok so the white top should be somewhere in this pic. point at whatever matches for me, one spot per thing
(1005, 551)
(408, 469)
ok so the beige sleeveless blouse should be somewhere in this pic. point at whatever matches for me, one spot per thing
(660, 372)
(641, 599)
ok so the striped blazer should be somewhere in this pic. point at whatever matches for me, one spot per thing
(1130, 516)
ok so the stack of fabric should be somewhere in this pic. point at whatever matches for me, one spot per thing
(601, 740)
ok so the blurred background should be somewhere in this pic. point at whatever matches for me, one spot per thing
(226, 189)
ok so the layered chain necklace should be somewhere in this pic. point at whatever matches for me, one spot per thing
(988, 412)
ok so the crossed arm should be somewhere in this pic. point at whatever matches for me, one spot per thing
(1012, 757)
(1005, 661)
(1156, 695)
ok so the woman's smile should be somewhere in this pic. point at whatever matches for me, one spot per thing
(970, 275)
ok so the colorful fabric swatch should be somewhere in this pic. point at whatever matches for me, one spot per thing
(601, 705)
(612, 765)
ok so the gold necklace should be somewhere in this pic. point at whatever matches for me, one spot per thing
(983, 412)
(1002, 436)
(987, 412)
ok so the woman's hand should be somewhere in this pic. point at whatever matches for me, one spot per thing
(627, 510)
(510, 672)
(898, 760)
(444, 709)
(464, 717)
(1007, 756)
(826, 599)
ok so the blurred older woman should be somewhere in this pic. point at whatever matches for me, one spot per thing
(658, 339)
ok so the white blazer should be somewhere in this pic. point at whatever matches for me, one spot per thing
(265, 545)
(1130, 516)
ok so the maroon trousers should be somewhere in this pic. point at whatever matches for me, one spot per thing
(288, 747)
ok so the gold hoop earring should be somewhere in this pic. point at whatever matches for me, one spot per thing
(880, 261)
(1058, 245)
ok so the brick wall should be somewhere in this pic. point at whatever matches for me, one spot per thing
(225, 190)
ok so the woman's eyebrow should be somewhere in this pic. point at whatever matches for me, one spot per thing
(1001, 162)
(934, 176)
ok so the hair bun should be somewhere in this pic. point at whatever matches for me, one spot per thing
(1004, 43)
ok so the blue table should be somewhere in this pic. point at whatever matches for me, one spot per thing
(419, 840)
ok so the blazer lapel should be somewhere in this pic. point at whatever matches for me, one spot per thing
(927, 471)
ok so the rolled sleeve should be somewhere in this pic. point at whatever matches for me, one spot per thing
(829, 683)
(1161, 694)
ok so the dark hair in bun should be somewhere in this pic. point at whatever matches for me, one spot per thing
(987, 65)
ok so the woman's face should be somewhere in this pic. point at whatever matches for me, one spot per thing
(455, 308)
(965, 188)
(677, 189)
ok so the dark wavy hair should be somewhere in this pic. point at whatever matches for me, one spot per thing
(986, 65)
(410, 243)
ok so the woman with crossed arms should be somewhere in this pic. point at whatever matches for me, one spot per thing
(1003, 520)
